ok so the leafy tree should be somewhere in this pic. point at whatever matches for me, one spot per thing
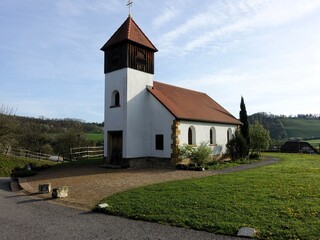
(70, 139)
(199, 155)
(237, 146)
(244, 119)
(260, 138)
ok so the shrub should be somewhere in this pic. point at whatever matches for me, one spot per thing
(23, 173)
(200, 155)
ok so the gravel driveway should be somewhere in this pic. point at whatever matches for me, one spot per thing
(90, 184)
(23, 217)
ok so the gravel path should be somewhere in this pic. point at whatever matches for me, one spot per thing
(23, 217)
(88, 185)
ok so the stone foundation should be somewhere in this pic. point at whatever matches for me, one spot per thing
(148, 162)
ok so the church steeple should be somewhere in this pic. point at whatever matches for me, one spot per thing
(129, 47)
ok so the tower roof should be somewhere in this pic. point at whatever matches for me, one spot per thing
(129, 31)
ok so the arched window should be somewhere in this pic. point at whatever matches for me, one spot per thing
(213, 136)
(229, 134)
(191, 136)
(115, 99)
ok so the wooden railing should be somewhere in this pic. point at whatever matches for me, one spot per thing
(86, 153)
(16, 152)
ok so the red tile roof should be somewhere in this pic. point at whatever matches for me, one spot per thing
(129, 31)
(191, 105)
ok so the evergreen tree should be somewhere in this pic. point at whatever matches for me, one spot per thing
(237, 147)
(244, 119)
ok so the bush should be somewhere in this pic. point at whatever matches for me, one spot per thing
(254, 156)
(200, 155)
(23, 173)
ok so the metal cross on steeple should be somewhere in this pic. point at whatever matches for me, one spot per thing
(129, 4)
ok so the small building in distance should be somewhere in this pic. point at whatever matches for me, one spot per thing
(298, 147)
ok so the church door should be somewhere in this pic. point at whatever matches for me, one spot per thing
(115, 147)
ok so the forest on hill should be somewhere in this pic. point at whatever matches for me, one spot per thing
(49, 136)
(281, 127)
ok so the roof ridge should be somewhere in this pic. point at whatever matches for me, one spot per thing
(186, 89)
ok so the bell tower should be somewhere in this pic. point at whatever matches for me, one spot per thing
(129, 47)
(129, 69)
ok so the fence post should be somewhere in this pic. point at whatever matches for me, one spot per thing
(70, 150)
(87, 152)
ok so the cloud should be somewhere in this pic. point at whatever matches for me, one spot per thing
(80, 7)
(235, 17)
(167, 14)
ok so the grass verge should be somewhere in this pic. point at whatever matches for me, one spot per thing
(281, 201)
(8, 163)
(219, 165)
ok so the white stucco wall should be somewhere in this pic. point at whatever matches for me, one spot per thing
(114, 117)
(202, 132)
(137, 129)
(161, 121)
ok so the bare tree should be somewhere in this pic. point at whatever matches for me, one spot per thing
(8, 127)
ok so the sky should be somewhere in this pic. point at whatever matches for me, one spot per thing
(267, 51)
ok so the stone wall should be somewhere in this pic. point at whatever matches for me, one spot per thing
(148, 162)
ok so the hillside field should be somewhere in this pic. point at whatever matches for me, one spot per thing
(301, 128)
(96, 137)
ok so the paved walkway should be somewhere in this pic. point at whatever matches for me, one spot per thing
(23, 217)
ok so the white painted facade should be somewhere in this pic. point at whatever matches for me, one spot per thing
(161, 121)
(201, 133)
(140, 117)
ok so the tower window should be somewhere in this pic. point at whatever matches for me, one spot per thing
(141, 61)
(115, 99)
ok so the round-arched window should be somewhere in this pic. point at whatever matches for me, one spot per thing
(115, 99)
(191, 135)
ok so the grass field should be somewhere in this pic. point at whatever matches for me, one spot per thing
(7, 164)
(314, 142)
(96, 137)
(304, 128)
(281, 201)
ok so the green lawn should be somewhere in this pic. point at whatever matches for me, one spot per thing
(7, 164)
(280, 200)
(96, 137)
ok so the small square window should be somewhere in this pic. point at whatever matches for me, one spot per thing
(159, 141)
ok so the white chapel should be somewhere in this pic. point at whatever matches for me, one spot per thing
(145, 120)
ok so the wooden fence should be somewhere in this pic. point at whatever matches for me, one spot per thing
(16, 152)
(86, 153)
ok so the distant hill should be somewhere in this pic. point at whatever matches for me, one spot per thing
(301, 128)
(49, 136)
(270, 122)
(283, 127)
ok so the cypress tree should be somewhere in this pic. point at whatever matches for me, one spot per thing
(244, 119)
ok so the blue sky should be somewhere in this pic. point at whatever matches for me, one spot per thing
(268, 51)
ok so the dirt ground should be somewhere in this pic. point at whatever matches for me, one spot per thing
(90, 184)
